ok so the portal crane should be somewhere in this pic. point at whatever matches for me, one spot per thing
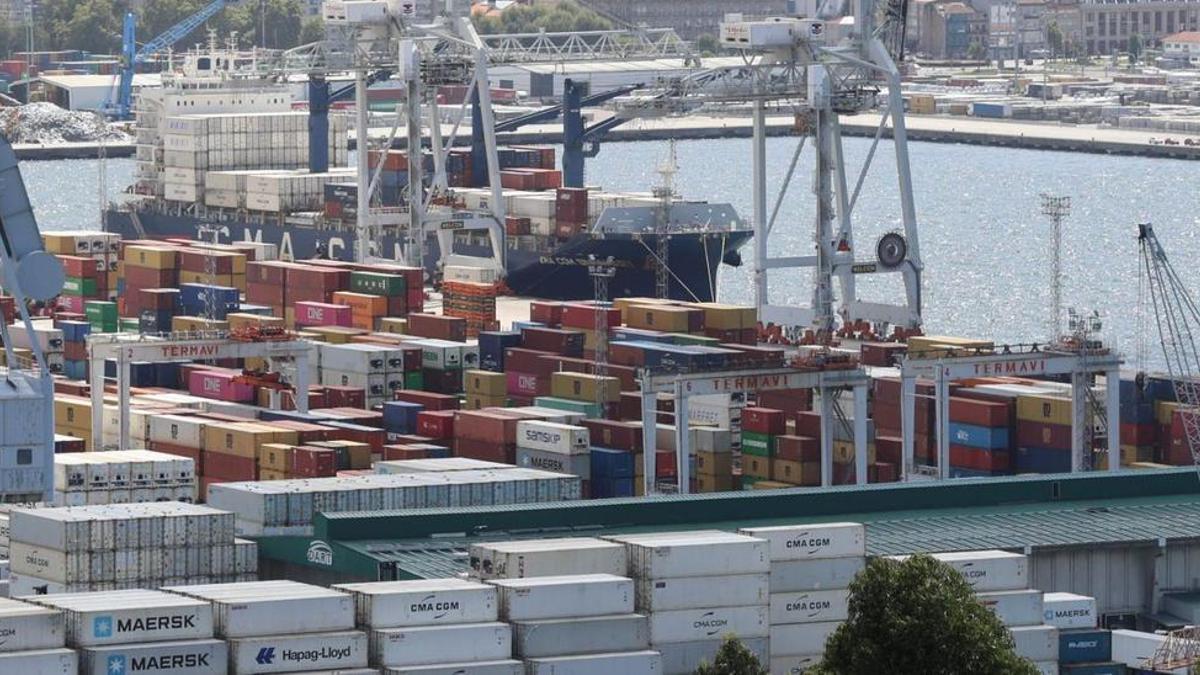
(26, 390)
(1178, 321)
(131, 56)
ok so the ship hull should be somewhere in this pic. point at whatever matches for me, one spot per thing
(557, 273)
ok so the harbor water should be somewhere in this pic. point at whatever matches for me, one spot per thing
(986, 246)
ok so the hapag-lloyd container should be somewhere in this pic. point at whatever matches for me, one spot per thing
(683, 658)
(502, 667)
(801, 638)
(626, 663)
(26, 627)
(396, 604)
(694, 554)
(1015, 608)
(420, 645)
(810, 542)
(564, 596)
(130, 616)
(547, 557)
(654, 595)
(588, 635)
(711, 623)
(809, 606)
(1036, 643)
(273, 608)
(562, 439)
(40, 662)
(191, 657)
(298, 652)
(1067, 610)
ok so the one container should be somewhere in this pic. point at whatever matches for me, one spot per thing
(395, 604)
(563, 637)
(27, 627)
(810, 575)
(420, 645)
(562, 439)
(809, 606)
(735, 590)
(1067, 610)
(1084, 645)
(501, 667)
(191, 657)
(564, 596)
(690, 625)
(810, 542)
(130, 617)
(1015, 608)
(626, 663)
(694, 554)
(801, 638)
(1036, 643)
(685, 657)
(298, 652)
(273, 608)
(989, 570)
(547, 557)
(40, 662)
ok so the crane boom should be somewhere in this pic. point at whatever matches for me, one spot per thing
(1178, 320)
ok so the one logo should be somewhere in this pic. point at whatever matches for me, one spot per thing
(102, 626)
(266, 656)
(116, 664)
(320, 553)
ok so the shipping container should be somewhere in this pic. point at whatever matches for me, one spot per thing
(298, 652)
(626, 663)
(809, 606)
(730, 590)
(811, 542)
(708, 623)
(568, 596)
(27, 627)
(1068, 610)
(192, 657)
(701, 553)
(1036, 643)
(273, 608)
(423, 645)
(1015, 608)
(397, 604)
(810, 575)
(589, 635)
(547, 557)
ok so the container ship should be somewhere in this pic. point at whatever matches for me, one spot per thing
(222, 151)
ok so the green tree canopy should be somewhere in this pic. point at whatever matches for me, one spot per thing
(733, 659)
(1135, 47)
(918, 617)
(562, 17)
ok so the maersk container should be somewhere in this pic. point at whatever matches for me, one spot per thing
(626, 663)
(26, 627)
(564, 596)
(1084, 645)
(734, 590)
(298, 652)
(502, 667)
(130, 617)
(396, 604)
(801, 638)
(192, 657)
(420, 645)
(590, 635)
(812, 575)
(988, 570)
(40, 662)
(694, 554)
(809, 606)
(571, 465)
(1067, 610)
(1015, 608)
(562, 439)
(712, 623)
(683, 658)
(1036, 643)
(811, 542)
(273, 607)
(547, 557)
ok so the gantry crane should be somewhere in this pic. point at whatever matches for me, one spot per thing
(1178, 320)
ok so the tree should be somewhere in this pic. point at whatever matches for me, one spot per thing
(707, 44)
(312, 30)
(1054, 38)
(976, 51)
(1135, 47)
(733, 659)
(566, 16)
(918, 617)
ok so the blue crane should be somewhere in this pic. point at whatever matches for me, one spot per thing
(131, 56)
(319, 98)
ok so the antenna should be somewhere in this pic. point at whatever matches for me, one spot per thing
(665, 192)
(1057, 209)
(601, 271)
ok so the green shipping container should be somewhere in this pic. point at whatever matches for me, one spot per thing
(375, 283)
(694, 340)
(586, 409)
(414, 380)
(79, 286)
(128, 325)
(762, 445)
(102, 315)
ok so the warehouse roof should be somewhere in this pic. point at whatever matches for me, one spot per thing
(594, 67)
(92, 81)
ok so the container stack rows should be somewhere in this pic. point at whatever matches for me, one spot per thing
(121, 476)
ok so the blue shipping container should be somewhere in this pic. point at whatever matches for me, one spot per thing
(1084, 645)
(167, 374)
(400, 417)
(1110, 668)
(75, 370)
(610, 463)
(491, 348)
(611, 488)
(195, 300)
(970, 435)
(75, 331)
(1043, 460)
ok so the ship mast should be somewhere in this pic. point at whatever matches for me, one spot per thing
(665, 192)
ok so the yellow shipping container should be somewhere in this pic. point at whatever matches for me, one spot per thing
(1136, 453)
(196, 323)
(728, 317)
(271, 474)
(624, 304)
(338, 335)
(59, 243)
(242, 440)
(309, 335)
(714, 483)
(1045, 409)
(154, 257)
(714, 463)
(73, 412)
(1150, 465)
(800, 473)
(759, 467)
(584, 387)
(275, 456)
(1164, 411)
(843, 452)
(186, 277)
(481, 401)
(359, 453)
(394, 325)
(486, 383)
(770, 485)
(664, 318)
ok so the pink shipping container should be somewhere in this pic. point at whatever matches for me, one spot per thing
(71, 303)
(219, 385)
(522, 384)
(322, 314)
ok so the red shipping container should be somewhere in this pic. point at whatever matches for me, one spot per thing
(360, 433)
(70, 303)
(485, 425)
(571, 205)
(305, 432)
(881, 354)
(788, 400)
(664, 463)
(1039, 435)
(437, 327)
(395, 452)
(206, 260)
(980, 412)
(345, 397)
(315, 278)
(193, 454)
(436, 424)
(64, 444)
(229, 467)
(1136, 434)
(581, 315)
(883, 472)
(84, 268)
(764, 421)
(555, 340)
(219, 385)
(528, 361)
(809, 424)
(265, 294)
(268, 272)
(979, 459)
(485, 450)
(889, 449)
(398, 306)
(431, 400)
(614, 434)
(147, 277)
(313, 462)
(321, 314)
(157, 298)
(546, 312)
(797, 449)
